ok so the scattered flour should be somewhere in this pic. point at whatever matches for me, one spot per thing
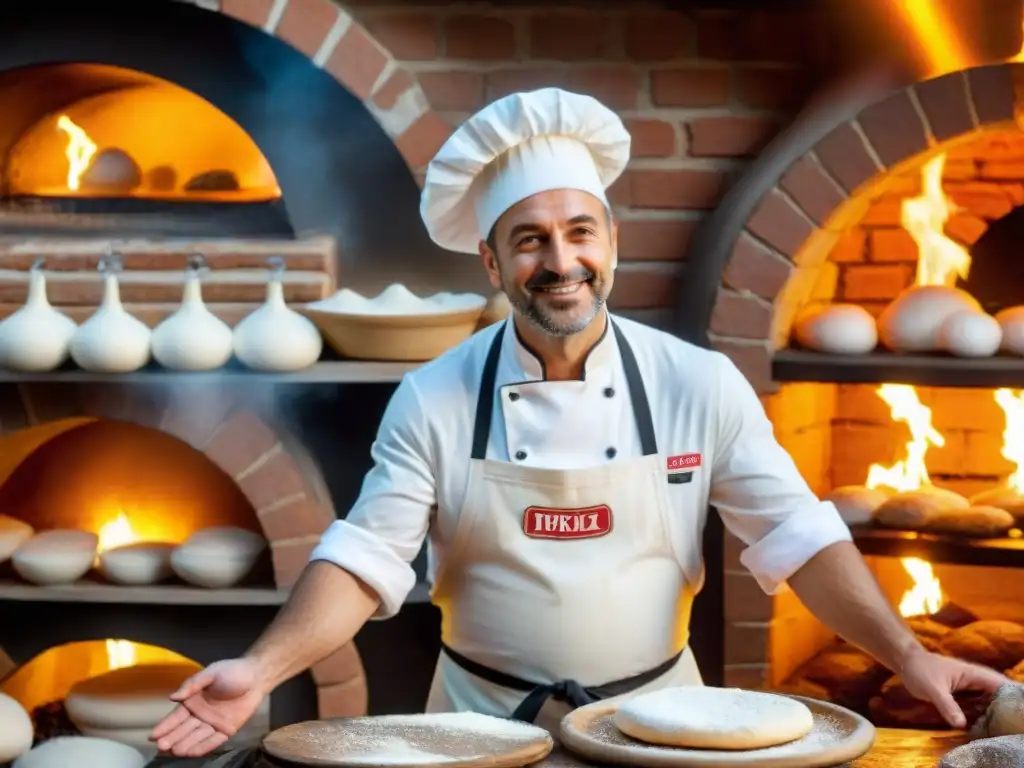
(396, 299)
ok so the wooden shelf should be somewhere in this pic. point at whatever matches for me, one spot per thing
(87, 591)
(324, 372)
(890, 368)
(1004, 552)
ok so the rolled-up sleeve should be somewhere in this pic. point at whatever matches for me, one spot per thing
(757, 489)
(385, 530)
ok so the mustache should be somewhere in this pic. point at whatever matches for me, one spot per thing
(545, 278)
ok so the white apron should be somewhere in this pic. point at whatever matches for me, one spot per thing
(561, 587)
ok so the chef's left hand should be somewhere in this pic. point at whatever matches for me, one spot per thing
(935, 678)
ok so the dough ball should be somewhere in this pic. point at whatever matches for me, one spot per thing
(973, 522)
(112, 170)
(16, 732)
(911, 510)
(970, 334)
(217, 558)
(1004, 716)
(1011, 322)
(56, 557)
(857, 504)
(141, 563)
(1000, 752)
(914, 319)
(838, 329)
(72, 751)
(996, 644)
(702, 717)
(1009, 499)
(132, 697)
(13, 533)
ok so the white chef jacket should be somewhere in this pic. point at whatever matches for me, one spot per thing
(700, 402)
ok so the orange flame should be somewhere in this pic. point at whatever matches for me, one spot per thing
(79, 152)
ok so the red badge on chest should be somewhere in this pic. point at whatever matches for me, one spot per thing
(582, 523)
(684, 462)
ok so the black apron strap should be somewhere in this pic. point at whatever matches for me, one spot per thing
(634, 381)
(566, 691)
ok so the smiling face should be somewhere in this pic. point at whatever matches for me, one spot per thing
(553, 255)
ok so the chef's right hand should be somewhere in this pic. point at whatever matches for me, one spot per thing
(212, 706)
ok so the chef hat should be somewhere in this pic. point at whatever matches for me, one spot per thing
(516, 147)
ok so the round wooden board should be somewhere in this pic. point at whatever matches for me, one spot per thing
(839, 736)
(443, 740)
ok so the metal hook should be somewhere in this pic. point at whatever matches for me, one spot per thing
(112, 262)
(197, 263)
(276, 266)
(37, 265)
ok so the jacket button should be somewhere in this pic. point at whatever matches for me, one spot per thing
(609, 392)
(610, 453)
(520, 455)
(513, 396)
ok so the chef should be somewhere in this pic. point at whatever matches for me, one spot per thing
(561, 464)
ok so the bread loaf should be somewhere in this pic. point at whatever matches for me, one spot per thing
(912, 510)
(895, 707)
(850, 676)
(857, 504)
(1009, 499)
(973, 522)
(996, 644)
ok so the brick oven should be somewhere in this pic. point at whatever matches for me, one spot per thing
(821, 218)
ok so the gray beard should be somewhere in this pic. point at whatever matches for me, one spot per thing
(551, 325)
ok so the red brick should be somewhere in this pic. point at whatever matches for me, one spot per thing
(690, 87)
(740, 316)
(479, 38)
(590, 36)
(349, 699)
(357, 61)
(891, 245)
(239, 442)
(777, 222)
(197, 420)
(453, 91)
(811, 189)
(616, 87)
(894, 128)
(729, 136)
(653, 36)
(987, 201)
(1002, 170)
(290, 559)
(874, 282)
(965, 228)
(753, 360)
(278, 478)
(754, 268)
(254, 12)
(676, 189)
(651, 138)
(850, 247)
(386, 97)
(422, 139)
(408, 36)
(655, 239)
(305, 24)
(771, 88)
(644, 287)
(844, 155)
(298, 518)
(342, 666)
(505, 81)
(884, 212)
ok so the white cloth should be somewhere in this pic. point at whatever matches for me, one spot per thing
(516, 147)
(700, 402)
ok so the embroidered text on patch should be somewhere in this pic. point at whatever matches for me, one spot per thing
(684, 462)
(581, 523)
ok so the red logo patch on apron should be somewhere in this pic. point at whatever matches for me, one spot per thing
(684, 462)
(582, 523)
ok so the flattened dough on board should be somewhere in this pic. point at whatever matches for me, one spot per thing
(700, 717)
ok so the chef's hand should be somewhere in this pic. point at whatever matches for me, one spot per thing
(212, 705)
(935, 678)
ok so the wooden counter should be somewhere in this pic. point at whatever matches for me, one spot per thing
(894, 748)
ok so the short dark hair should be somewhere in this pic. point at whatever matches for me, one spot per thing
(492, 236)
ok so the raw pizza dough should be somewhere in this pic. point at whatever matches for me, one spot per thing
(702, 717)
(138, 564)
(55, 557)
(13, 533)
(217, 558)
(132, 697)
(16, 732)
(1005, 715)
(71, 751)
